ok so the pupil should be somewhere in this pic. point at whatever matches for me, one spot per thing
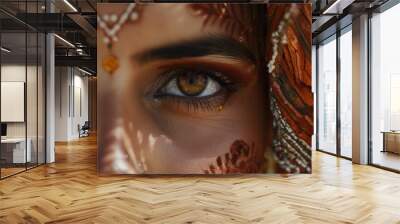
(192, 84)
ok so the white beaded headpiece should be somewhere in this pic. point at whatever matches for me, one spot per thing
(111, 24)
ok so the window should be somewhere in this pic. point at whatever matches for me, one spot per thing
(22, 77)
(327, 96)
(385, 89)
(346, 93)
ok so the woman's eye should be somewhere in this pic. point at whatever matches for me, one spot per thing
(192, 90)
(191, 84)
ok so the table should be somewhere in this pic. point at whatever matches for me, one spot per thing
(13, 150)
(391, 141)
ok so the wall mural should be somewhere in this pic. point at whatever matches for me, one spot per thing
(204, 88)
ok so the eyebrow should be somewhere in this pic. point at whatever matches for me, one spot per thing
(210, 45)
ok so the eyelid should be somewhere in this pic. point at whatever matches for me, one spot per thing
(238, 71)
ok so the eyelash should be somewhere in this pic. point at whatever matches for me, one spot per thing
(194, 104)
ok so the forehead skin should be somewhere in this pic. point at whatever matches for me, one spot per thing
(163, 23)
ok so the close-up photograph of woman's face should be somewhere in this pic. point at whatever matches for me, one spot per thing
(186, 88)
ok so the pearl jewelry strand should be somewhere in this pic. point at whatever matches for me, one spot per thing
(111, 32)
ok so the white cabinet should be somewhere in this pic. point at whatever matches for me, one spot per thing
(16, 147)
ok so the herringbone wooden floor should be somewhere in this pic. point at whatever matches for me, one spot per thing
(70, 191)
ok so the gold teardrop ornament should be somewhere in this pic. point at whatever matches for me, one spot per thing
(110, 64)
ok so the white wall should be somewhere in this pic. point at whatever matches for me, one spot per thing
(61, 103)
(71, 93)
(16, 73)
(33, 127)
(12, 73)
(80, 112)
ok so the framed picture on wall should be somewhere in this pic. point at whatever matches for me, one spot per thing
(210, 88)
(12, 101)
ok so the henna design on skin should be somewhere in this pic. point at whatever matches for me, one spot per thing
(241, 158)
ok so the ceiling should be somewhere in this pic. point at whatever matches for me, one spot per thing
(72, 20)
(331, 15)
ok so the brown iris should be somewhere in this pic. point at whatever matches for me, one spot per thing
(192, 83)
